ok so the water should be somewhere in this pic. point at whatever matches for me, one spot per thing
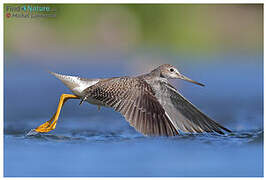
(91, 143)
(86, 153)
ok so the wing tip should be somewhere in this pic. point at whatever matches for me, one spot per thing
(225, 129)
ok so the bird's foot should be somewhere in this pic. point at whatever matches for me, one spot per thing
(47, 126)
(51, 124)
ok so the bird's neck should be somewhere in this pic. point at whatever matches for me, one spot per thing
(154, 75)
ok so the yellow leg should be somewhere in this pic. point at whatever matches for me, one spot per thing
(50, 125)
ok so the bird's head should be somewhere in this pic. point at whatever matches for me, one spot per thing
(170, 72)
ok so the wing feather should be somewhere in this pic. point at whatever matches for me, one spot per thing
(136, 101)
(183, 114)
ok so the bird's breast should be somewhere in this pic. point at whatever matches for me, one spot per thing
(157, 85)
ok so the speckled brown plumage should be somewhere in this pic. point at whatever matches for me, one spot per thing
(135, 100)
(148, 102)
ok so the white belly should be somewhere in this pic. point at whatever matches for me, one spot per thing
(82, 85)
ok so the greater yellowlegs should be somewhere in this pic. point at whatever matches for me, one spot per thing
(148, 102)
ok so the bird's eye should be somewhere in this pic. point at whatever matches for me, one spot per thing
(172, 70)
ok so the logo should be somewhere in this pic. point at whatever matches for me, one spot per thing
(29, 11)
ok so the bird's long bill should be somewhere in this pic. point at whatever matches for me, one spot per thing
(190, 80)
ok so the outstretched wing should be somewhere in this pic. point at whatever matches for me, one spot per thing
(183, 114)
(135, 100)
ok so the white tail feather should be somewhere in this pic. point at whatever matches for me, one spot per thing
(74, 83)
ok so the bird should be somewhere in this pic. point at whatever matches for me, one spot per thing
(148, 102)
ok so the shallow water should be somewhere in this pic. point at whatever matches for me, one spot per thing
(87, 153)
(91, 143)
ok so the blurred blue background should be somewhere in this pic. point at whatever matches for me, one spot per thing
(220, 46)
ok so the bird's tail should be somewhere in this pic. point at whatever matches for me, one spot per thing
(71, 82)
(75, 83)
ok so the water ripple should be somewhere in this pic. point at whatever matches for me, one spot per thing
(236, 137)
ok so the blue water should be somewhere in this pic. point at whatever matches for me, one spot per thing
(91, 143)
